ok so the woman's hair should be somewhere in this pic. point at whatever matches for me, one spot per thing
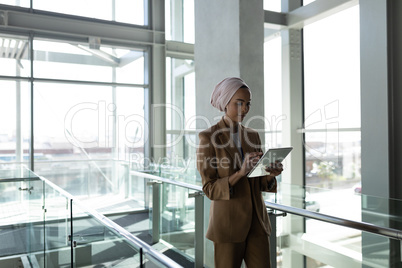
(225, 90)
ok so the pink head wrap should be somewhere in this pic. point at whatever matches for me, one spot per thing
(225, 90)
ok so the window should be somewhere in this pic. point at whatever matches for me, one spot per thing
(60, 60)
(15, 104)
(126, 11)
(180, 114)
(88, 107)
(273, 92)
(332, 100)
(272, 5)
(14, 56)
(180, 20)
(20, 3)
(332, 126)
(15, 123)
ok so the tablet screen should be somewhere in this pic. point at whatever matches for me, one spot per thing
(271, 156)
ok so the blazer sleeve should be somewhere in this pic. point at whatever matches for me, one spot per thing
(267, 183)
(214, 187)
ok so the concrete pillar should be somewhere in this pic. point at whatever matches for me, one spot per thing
(394, 9)
(229, 41)
(381, 115)
(395, 67)
(292, 106)
(157, 82)
(292, 101)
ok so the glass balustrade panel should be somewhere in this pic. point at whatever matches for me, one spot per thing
(177, 221)
(96, 244)
(331, 245)
(305, 236)
(104, 185)
(132, 211)
(183, 170)
(54, 230)
(20, 213)
(84, 178)
(152, 262)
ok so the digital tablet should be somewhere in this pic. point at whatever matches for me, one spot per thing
(271, 156)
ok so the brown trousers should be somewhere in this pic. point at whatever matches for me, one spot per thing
(254, 251)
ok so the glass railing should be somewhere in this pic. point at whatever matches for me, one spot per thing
(176, 217)
(46, 226)
(335, 228)
(322, 227)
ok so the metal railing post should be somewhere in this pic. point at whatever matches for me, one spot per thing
(272, 238)
(199, 228)
(156, 210)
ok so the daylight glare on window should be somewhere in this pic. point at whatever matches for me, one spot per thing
(332, 122)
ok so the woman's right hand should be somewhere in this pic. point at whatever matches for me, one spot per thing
(249, 162)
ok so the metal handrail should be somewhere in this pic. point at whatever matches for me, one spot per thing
(117, 228)
(161, 179)
(362, 226)
(19, 179)
(146, 249)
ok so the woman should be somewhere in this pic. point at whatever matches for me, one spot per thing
(238, 224)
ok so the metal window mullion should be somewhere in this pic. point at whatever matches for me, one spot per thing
(19, 150)
(147, 102)
(156, 211)
(77, 82)
(199, 231)
(115, 142)
(304, 130)
(31, 146)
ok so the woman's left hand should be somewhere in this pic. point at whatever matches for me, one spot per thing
(274, 169)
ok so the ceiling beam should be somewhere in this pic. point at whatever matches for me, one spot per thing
(49, 23)
(302, 16)
(274, 20)
(316, 11)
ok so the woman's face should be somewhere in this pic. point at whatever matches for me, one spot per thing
(239, 105)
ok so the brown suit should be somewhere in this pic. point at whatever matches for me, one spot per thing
(231, 211)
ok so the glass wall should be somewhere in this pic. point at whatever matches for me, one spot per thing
(272, 5)
(88, 108)
(273, 92)
(180, 20)
(332, 101)
(180, 115)
(331, 129)
(126, 11)
(15, 100)
(21, 3)
(332, 126)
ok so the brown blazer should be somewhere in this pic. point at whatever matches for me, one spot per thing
(231, 207)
